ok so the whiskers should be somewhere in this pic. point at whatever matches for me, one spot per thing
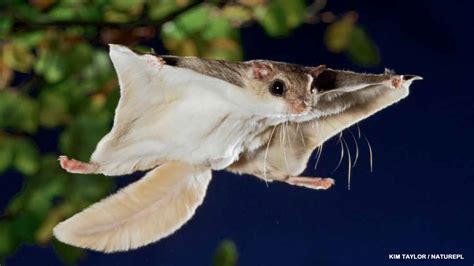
(356, 147)
(345, 152)
(284, 137)
(287, 132)
(342, 153)
(371, 161)
(266, 155)
(318, 155)
(282, 144)
(349, 164)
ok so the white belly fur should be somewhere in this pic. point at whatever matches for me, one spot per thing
(177, 114)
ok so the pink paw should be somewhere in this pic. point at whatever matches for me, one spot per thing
(397, 82)
(75, 166)
(312, 182)
(155, 61)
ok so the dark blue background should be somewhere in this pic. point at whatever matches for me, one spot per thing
(419, 198)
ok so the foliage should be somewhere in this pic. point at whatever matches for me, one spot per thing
(345, 36)
(58, 90)
(226, 254)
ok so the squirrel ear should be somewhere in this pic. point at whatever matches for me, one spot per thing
(260, 70)
(316, 71)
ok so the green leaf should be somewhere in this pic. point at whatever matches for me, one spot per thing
(279, 17)
(29, 39)
(112, 101)
(24, 225)
(159, 9)
(127, 5)
(194, 20)
(18, 56)
(6, 23)
(361, 49)
(116, 16)
(338, 35)
(18, 112)
(81, 136)
(51, 64)
(6, 75)
(95, 73)
(172, 31)
(26, 159)
(53, 108)
(20, 153)
(236, 14)
(25, 11)
(223, 49)
(7, 241)
(56, 68)
(31, 207)
(55, 215)
(56, 63)
(273, 20)
(90, 11)
(6, 153)
(63, 12)
(8, 102)
(78, 56)
(27, 114)
(123, 10)
(294, 11)
(219, 27)
(102, 66)
(40, 189)
(345, 36)
(92, 188)
(69, 255)
(226, 254)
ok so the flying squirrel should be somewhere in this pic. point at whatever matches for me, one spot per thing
(182, 117)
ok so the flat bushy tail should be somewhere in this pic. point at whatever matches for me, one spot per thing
(141, 213)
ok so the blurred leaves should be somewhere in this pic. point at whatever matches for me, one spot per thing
(58, 90)
(362, 50)
(279, 17)
(6, 154)
(17, 56)
(203, 31)
(226, 254)
(70, 255)
(346, 36)
(81, 136)
(26, 157)
(19, 153)
(5, 25)
(338, 34)
(18, 111)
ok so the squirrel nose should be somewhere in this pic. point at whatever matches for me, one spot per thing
(298, 109)
(298, 106)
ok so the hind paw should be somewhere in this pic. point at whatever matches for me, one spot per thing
(311, 182)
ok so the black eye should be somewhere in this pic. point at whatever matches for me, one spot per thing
(277, 88)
